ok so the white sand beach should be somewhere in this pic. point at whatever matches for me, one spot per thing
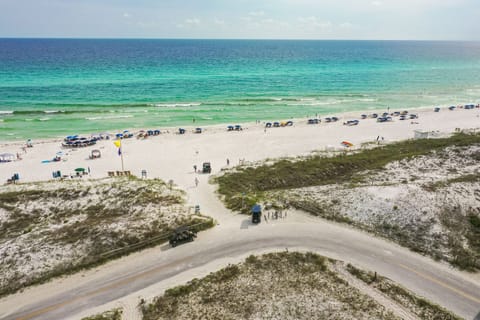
(171, 156)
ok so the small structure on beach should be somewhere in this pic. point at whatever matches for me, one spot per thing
(7, 157)
(423, 134)
(95, 154)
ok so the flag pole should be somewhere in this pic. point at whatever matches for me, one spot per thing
(121, 155)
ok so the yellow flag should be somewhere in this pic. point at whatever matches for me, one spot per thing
(117, 143)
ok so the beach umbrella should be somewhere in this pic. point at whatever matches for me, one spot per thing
(80, 170)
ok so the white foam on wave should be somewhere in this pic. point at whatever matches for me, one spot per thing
(173, 105)
(43, 119)
(109, 117)
(314, 102)
(6, 112)
(52, 111)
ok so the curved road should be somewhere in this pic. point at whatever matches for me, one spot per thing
(235, 236)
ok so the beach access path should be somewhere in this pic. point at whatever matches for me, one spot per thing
(171, 157)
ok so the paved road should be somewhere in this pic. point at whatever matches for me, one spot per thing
(235, 236)
(437, 282)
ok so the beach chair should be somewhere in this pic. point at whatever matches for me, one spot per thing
(111, 173)
(119, 173)
(127, 173)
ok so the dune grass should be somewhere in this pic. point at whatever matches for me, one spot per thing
(115, 314)
(51, 229)
(246, 186)
(283, 285)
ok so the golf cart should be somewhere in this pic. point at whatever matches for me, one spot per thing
(206, 168)
(182, 235)
(256, 213)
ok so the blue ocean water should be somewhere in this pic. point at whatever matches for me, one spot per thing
(55, 87)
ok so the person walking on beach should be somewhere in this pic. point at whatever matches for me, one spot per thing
(195, 167)
(196, 182)
(228, 162)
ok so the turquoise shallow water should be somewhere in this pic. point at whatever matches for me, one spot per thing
(51, 88)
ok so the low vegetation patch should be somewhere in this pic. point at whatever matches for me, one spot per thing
(284, 285)
(52, 228)
(273, 286)
(245, 186)
(115, 314)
